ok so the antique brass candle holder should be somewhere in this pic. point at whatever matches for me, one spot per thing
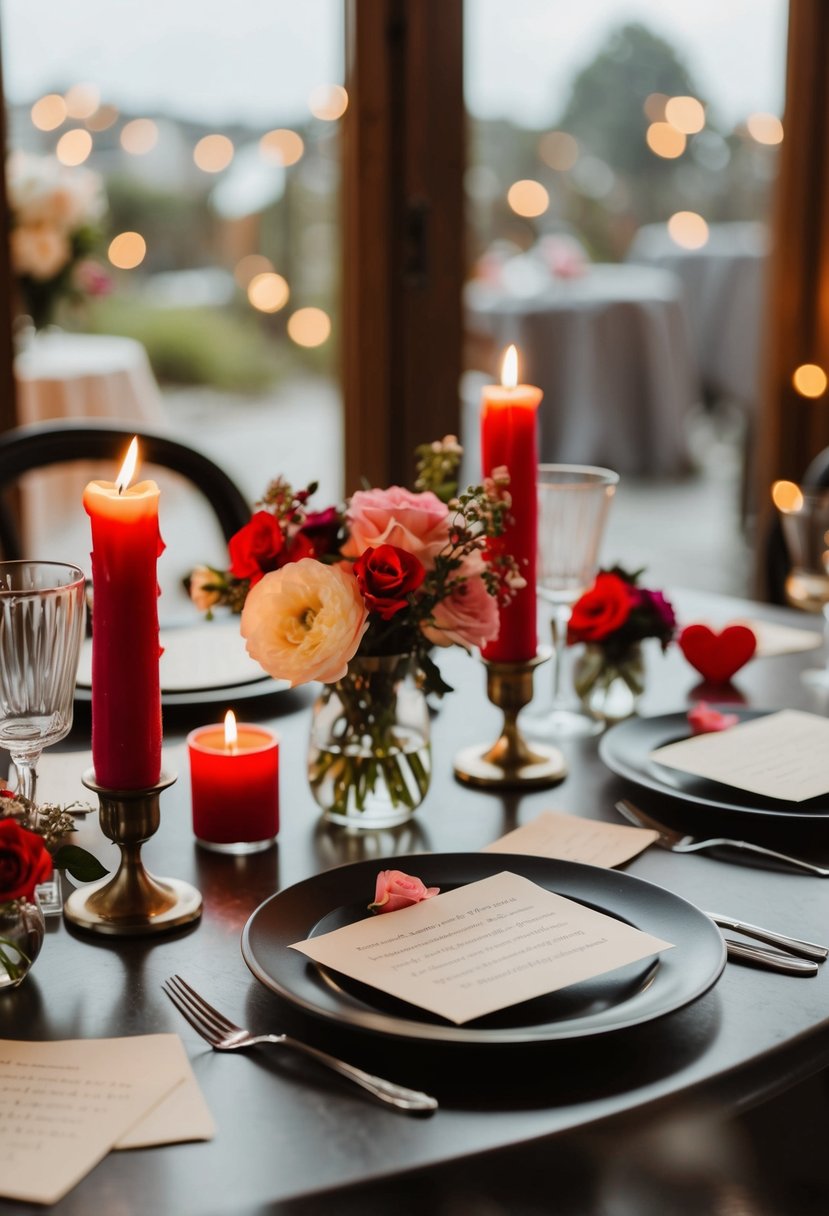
(510, 762)
(132, 903)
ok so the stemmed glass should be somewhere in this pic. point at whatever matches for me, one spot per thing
(573, 502)
(41, 626)
(804, 517)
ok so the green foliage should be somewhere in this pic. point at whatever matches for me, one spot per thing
(195, 345)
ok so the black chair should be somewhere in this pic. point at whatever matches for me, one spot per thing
(42, 444)
(777, 557)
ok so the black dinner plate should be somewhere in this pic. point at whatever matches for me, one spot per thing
(629, 996)
(626, 748)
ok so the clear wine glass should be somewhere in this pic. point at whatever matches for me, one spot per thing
(42, 609)
(573, 503)
(804, 517)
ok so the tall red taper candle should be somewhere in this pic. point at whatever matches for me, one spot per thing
(126, 696)
(509, 437)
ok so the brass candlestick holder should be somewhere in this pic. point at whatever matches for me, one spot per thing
(510, 763)
(132, 903)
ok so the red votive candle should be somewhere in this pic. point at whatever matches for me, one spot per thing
(235, 786)
(126, 695)
(509, 437)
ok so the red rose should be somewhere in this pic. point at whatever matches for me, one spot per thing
(254, 549)
(601, 610)
(385, 576)
(24, 861)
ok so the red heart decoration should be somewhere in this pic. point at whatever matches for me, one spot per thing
(717, 656)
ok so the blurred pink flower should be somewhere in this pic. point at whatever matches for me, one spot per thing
(469, 615)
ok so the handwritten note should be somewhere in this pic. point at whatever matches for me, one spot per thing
(571, 838)
(482, 947)
(63, 1105)
(783, 755)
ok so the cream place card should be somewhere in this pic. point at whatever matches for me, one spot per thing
(783, 755)
(570, 838)
(481, 947)
(62, 1107)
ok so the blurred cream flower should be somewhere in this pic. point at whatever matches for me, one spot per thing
(206, 587)
(304, 622)
(40, 251)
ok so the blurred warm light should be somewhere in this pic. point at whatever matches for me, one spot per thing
(765, 128)
(528, 198)
(654, 106)
(213, 153)
(82, 100)
(558, 150)
(269, 292)
(103, 118)
(786, 496)
(328, 101)
(688, 229)
(309, 326)
(74, 146)
(686, 114)
(281, 147)
(509, 368)
(809, 380)
(248, 267)
(49, 112)
(665, 140)
(139, 136)
(127, 250)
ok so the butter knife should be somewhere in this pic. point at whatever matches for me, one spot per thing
(768, 960)
(794, 945)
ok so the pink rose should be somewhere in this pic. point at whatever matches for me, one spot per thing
(418, 523)
(704, 719)
(398, 890)
(469, 616)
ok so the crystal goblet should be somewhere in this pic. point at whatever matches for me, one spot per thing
(573, 503)
(42, 610)
(804, 518)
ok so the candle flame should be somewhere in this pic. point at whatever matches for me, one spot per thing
(509, 368)
(128, 467)
(231, 734)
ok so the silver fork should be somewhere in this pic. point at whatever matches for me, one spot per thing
(223, 1035)
(678, 842)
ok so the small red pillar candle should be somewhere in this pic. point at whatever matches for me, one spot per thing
(126, 695)
(234, 776)
(509, 437)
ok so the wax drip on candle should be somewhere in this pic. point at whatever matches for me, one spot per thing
(231, 734)
(127, 472)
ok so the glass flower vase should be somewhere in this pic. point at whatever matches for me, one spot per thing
(22, 929)
(610, 685)
(369, 759)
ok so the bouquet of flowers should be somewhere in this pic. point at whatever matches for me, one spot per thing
(354, 597)
(31, 849)
(55, 215)
(613, 618)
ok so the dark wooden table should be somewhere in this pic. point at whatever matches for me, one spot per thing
(287, 1130)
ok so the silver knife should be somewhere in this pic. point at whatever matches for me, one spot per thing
(794, 945)
(769, 960)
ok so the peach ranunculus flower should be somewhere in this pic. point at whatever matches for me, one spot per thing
(39, 250)
(469, 616)
(418, 523)
(304, 622)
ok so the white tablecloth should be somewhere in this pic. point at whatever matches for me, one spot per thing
(725, 290)
(66, 376)
(611, 351)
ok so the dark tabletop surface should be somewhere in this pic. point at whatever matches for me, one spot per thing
(286, 1129)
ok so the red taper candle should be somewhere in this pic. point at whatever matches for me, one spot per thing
(509, 438)
(126, 694)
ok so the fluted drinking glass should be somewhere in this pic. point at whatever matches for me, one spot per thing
(804, 517)
(573, 504)
(42, 608)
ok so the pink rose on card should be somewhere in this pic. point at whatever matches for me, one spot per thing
(398, 890)
(704, 719)
(418, 523)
